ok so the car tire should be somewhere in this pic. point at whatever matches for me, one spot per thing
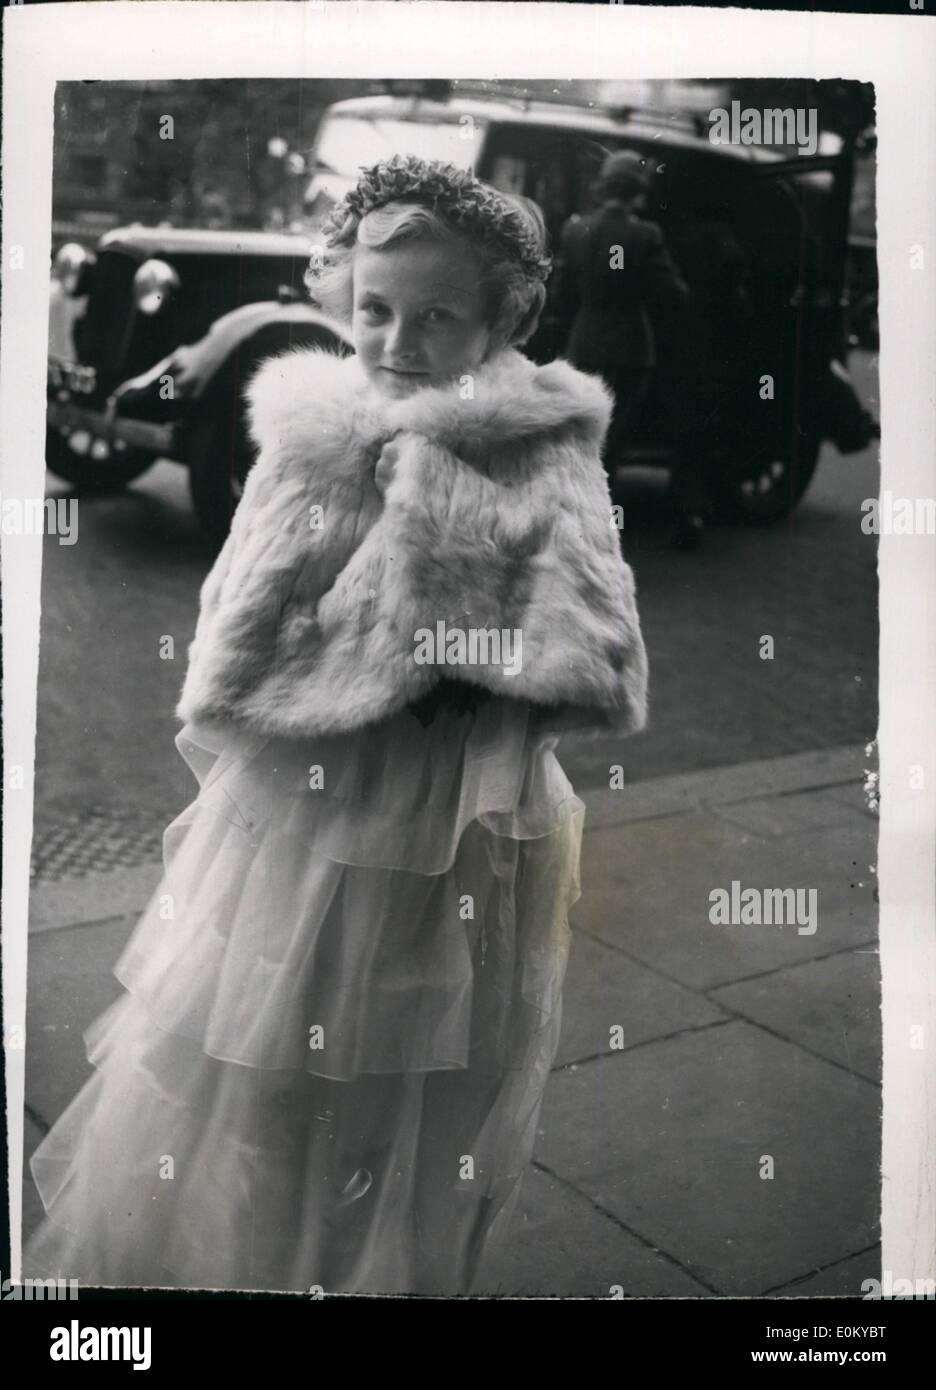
(219, 455)
(90, 475)
(216, 442)
(758, 487)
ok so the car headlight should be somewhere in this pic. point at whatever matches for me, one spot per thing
(153, 283)
(71, 261)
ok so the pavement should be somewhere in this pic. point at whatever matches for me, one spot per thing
(712, 1123)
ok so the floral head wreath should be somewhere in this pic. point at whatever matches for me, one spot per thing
(460, 197)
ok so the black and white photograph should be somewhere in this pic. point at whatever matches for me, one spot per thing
(453, 844)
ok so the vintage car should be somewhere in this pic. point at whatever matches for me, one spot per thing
(154, 334)
(760, 237)
(151, 340)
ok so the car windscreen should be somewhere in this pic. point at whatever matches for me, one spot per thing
(345, 142)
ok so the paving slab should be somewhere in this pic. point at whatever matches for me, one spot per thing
(831, 1006)
(69, 984)
(91, 897)
(791, 813)
(849, 850)
(606, 990)
(671, 1138)
(839, 770)
(841, 1280)
(559, 1244)
(854, 794)
(652, 880)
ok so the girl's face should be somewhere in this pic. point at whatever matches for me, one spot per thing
(417, 315)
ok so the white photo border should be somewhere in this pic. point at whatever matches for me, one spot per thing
(158, 39)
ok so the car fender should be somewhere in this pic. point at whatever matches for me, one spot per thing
(194, 366)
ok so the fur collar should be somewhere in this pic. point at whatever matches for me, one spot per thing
(306, 394)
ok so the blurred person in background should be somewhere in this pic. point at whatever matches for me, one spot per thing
(619, 289)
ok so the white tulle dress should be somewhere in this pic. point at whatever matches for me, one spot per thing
(342, 1004)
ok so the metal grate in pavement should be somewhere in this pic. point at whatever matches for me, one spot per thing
(94, 841)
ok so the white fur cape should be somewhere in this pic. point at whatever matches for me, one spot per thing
(497, 517)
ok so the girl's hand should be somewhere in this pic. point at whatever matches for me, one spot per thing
(386, 465)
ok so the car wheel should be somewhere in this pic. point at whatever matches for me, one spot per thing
(220, 456)
(92, 465)
(758, 486)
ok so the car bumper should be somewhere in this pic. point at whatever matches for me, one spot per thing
(67, 417)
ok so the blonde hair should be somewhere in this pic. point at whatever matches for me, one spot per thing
(512, 299)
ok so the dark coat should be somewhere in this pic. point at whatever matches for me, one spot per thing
(612, 310)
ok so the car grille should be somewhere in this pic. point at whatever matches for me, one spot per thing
(120, 343)
(100, 335)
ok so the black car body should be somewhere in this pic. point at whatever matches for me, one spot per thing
(152, 338)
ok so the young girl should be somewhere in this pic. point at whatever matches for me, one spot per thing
(343, 1000)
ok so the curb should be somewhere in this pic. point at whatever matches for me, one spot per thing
(763, 777)
(75, 902)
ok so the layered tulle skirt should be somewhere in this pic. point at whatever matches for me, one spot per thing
(342, 1005)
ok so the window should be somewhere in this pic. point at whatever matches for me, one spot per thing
(345, 142)
(533, 161)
